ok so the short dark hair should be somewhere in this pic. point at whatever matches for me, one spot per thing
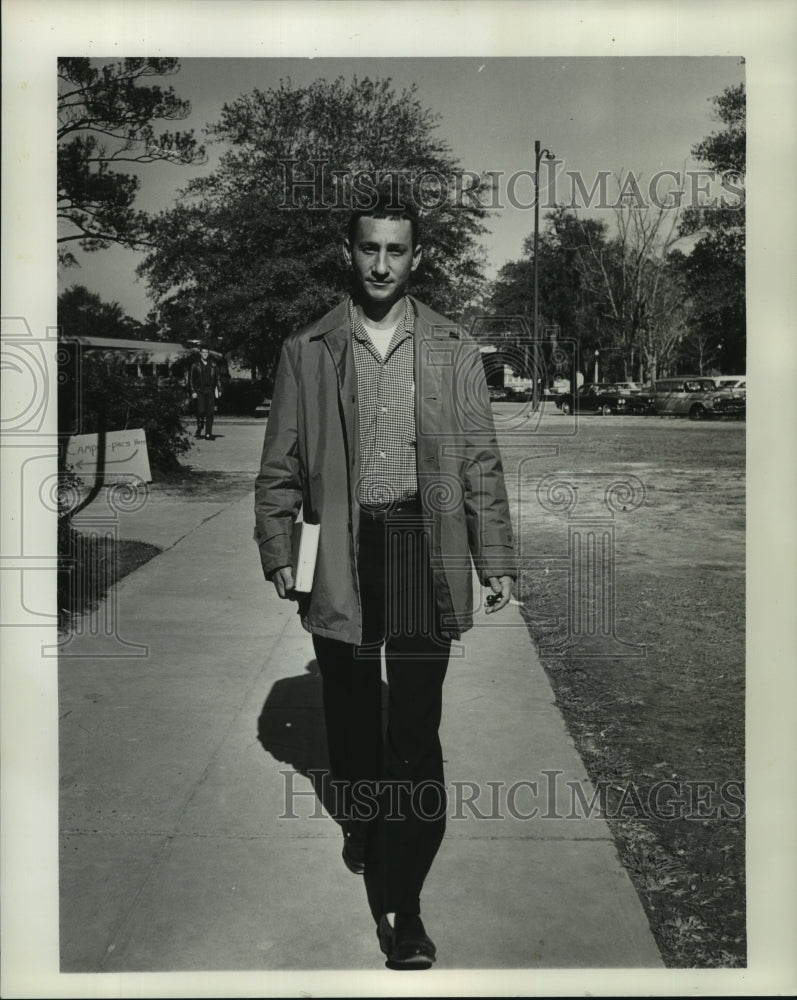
(386, 202)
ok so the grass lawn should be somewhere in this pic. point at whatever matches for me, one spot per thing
(90, 566)
(676, 714)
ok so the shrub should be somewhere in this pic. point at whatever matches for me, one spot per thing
(108, 389)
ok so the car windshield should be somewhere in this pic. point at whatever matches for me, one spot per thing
(700, 385)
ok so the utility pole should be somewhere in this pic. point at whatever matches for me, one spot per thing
(538, 155)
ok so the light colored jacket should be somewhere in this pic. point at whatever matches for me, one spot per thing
(310, 459)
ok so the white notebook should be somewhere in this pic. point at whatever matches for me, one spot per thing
(305, 552)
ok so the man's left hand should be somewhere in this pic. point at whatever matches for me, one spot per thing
(501, 586)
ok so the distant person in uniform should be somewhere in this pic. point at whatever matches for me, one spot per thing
(205, 389)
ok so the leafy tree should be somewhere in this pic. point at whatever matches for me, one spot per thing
(565, 280)
(106, 116)
(511, 292)
(715, 270)
(83, 313)
(176, 322)
(726, 150)
(565, 301)
(252, 254)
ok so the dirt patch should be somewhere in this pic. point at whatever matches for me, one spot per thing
(197, 485)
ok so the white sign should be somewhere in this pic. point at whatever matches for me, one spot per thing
(125, 455)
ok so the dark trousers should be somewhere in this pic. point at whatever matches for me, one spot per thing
(205, 410)
(393, 787)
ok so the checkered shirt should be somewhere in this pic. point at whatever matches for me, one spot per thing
(386, 399)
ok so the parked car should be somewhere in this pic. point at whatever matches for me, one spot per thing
(697, 397)
(627, 388)
(736, 382)
(520, 394)
(593, 397)
(637, 396)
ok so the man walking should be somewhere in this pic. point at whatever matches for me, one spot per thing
(381, 431)
(205, 385)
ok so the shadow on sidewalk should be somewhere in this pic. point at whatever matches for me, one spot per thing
(291, 728)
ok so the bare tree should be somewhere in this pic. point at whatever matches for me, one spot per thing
(701, 350)
(639, 297)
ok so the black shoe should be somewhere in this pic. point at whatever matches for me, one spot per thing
(406, 944)
(354, 855)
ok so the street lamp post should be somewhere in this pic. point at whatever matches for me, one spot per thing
(538, 155)
(597, 355)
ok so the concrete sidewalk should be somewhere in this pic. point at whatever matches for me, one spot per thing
(176, 765)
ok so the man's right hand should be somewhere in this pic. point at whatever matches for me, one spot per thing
(193, 395)
(283, 581)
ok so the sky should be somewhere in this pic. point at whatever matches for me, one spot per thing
(640, 114)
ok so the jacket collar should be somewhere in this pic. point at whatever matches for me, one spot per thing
(335, 328)
(337, 319)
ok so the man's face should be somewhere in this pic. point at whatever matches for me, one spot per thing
(203, 354)
(382, 258)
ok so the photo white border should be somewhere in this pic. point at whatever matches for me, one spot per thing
(35, 32)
